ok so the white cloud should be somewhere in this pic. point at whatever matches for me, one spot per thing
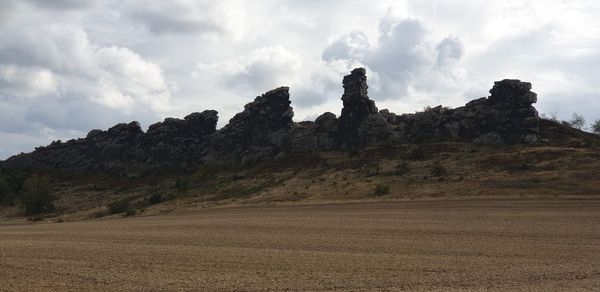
(348, 47)
(16, 81)
(260, 69)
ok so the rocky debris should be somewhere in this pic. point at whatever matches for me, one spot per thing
(264, 130)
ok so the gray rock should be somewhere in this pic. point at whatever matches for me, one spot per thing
(489, 139)
(264, 130)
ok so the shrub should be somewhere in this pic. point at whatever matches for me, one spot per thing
(155, 198)
(119, 206)
(36, 195)
(372, 169)
(402, 168)
(526, 166)
(130, 212)
(416, 153)
(437, 169)
(381, 190)
(36, 218)
(182, 185)
(353, 153)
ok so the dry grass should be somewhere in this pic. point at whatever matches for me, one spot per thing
(544, 245)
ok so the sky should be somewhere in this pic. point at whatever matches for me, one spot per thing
(70, 66)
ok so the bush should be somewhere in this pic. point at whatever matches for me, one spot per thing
(36, 195)
(402, 168)
(381, 190)
(155, 199)
(130, 212)
(120, 206)
(526, 166)
(36, 218)
(437, 169)
(182, 185)
(416, 153)
(372, 169)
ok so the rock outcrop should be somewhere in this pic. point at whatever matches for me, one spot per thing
(357, 108)
(260, 131)
(265, 129)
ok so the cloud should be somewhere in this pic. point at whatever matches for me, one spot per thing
(16, 81)
(186, 16)
(68, 66)
(63, 4)
(348, 47)
(405, 63)
(55, 83)
(449, 50)
(259, 70)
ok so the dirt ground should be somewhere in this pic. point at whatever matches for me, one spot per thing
(479, 244)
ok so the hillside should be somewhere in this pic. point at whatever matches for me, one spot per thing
(449, 170)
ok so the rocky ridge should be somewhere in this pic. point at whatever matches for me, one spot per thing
(265, 129)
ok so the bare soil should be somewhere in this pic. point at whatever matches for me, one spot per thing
(469, 244)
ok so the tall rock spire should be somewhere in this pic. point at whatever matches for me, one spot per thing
(357, 105)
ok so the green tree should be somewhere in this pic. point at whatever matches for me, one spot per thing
(36, 195)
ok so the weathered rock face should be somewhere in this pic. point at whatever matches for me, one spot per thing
(357, 108)
(265, 130)
(261, 130)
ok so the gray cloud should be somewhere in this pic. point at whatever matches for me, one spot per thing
(179, 16)
(449, 49)
(63, 4)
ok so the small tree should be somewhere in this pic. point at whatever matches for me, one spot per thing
(596, 127)
(577, 121)
(36, 195)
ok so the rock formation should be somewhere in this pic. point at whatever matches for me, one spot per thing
(260, 131)
(265, 130)
(357, 108)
